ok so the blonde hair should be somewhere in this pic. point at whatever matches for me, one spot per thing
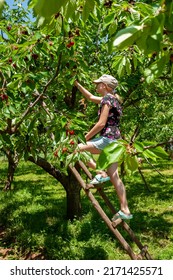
(114, 92)
(119, 98)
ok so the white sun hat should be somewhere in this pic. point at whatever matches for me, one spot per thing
(108, 80)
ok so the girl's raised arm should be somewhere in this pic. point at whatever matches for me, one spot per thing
(88, 95)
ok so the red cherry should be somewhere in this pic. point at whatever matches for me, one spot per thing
(70, 44)
(77, 32)
(171, 58)
(34, 56)
(4, 97)
(71, 132)
(10, 60)
(72, 142)
(14, 47)
(64, 150)
(8, 27)
(67, 132)
(24, 32)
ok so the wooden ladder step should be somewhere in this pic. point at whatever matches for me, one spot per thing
(117, 222)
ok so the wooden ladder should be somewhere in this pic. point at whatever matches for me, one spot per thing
(143, 254)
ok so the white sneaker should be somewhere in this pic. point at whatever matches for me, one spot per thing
(98, 179)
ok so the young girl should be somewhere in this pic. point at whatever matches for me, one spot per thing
(108, 126)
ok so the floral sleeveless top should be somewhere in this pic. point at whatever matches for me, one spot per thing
(111, 129)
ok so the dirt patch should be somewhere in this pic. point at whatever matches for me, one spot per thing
(10, 253)
(5, 253)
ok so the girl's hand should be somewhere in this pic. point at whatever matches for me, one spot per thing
(76, 83)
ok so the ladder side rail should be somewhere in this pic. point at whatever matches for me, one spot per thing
(85, 169)
(111, 207)
(133, 236)
(78, 177)
(121, 239)
(144, 253)
(103, 215)
(107, 201)
(123, 223)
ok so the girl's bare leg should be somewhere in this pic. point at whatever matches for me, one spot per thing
(112, 172)
(90, 148)
(119, 187)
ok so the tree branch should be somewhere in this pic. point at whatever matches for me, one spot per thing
(135, 134)
(51, 169)
(154, 146)
(158, 144)
(31, 106)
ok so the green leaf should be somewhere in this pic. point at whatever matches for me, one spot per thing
(31, 125)
(88, 7)
(131, 162)
(109, 18)
(70, 158)
(149, 154)
(135, 14)
(128, 66)
(71, 81)
(128, 36)
(40, 21)
(12, 109)
(135, 61)
(70, 9)
(121, 68)
(112, 28)
(6, 112)
(116, 61)
(157, 24)
(111, 154)
(153, 44)
(160, 152)
(13, 85)
(63, 121)
(6, 139)
(46, 8)
(1, 6)
(156, 68)
(138, 146)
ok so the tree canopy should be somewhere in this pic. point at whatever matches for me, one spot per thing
(43, 114)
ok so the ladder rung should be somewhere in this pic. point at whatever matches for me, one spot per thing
(91, 186)
(116, 223)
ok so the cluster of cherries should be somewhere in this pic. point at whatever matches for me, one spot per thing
(71, 142)
(4, 96)
(70, 44)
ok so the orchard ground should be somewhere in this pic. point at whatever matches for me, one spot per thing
(33, 221)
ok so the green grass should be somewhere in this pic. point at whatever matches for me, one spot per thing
(33, 224)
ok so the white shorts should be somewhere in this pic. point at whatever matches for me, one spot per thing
(101, 142)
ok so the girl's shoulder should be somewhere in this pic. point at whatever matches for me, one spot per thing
(111, 100)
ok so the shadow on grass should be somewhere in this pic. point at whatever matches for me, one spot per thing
(34, 217)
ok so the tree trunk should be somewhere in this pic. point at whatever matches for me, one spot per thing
(70, 184)
(73, 197)
(12, 164)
